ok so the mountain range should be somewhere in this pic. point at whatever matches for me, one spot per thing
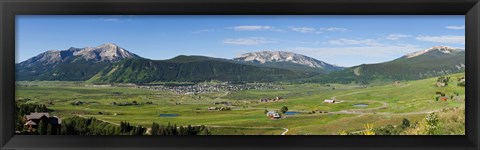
(109, 63)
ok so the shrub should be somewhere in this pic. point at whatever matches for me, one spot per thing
(284, 109)
(448, 122)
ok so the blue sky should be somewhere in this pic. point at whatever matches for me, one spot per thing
(339, 40)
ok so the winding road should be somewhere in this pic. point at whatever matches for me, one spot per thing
(283, 133)
(221, 96)
(101, 120)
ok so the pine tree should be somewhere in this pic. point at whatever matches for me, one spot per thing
(50, 129)
(174, 129)
(154, 130)
(42, 127)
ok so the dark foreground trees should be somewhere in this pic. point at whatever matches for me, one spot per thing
(170, 129)
(91, 126)
(88, 126)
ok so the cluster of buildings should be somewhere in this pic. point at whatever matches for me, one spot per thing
(276, 99)
(219, 108)
(223, 103)
(441, 96)
(210, 88)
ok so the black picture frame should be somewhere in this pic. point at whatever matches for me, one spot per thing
(10, 8)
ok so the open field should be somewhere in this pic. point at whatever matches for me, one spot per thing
(387, 104)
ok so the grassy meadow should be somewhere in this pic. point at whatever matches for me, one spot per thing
(388, 104)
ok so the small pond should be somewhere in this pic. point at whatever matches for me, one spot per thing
(291, 113)
(169, 115)
(360, 105)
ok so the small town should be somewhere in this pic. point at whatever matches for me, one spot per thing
(211, 88)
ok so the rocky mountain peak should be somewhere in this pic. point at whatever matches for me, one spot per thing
(441, 49)
(281, 56)
(108, 52)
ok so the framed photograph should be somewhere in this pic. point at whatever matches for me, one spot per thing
(213, 74)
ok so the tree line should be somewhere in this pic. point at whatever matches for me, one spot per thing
(91, 126)
(170, 129)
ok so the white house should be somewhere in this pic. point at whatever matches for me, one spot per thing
(329, 101)
(270, 113)
(273, 114)
(276, 116)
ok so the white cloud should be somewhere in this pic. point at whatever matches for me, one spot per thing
(452, 39)
(456, 27)
(115, 18)
(397, 36)
(334, 29)
(304, 29)
(202, 31)
(361, 54)
(361, 51)
(255, 28)
(111, 19)
(353, 42)
(248, 41)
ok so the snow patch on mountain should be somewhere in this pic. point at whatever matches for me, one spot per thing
(107, 52)
(282, 56)
(442, 49)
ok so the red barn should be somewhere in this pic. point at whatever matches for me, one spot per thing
(444, 98)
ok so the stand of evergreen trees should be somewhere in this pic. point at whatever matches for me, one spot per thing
(88, 126)
(91, 126)
(181, 130)
(127, 129)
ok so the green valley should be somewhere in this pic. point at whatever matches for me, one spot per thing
(383, 105)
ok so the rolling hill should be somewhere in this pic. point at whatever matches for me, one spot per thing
(435, 61)
(188, 68)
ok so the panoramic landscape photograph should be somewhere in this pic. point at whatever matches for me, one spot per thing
(240, 75)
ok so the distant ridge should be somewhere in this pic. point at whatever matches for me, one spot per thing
(188, 69)
(434, 61)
